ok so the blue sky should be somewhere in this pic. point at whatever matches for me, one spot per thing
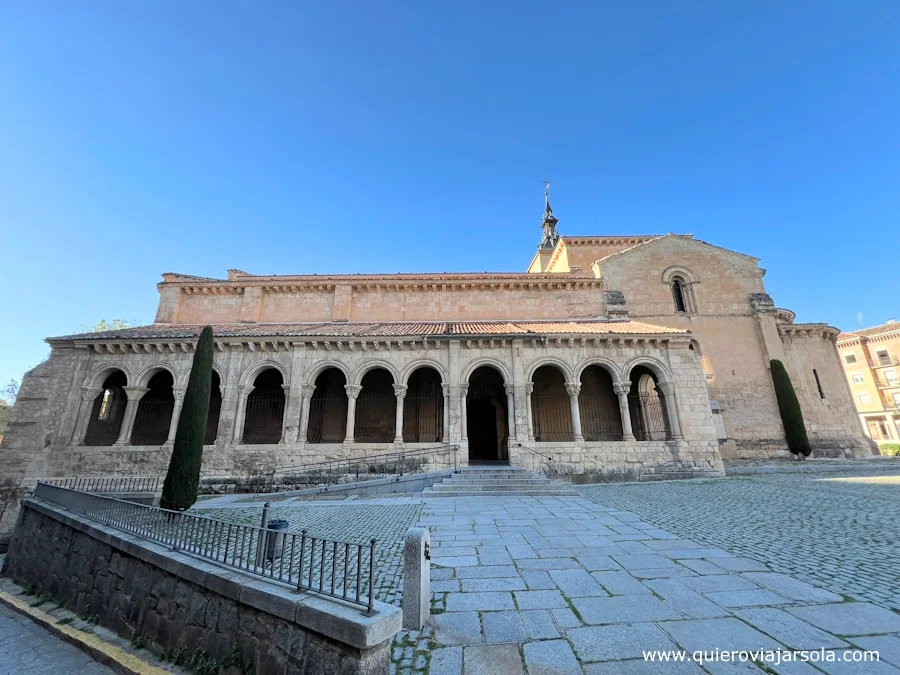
(283, 137)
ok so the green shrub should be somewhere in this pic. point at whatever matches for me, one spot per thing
(789, 407)
(890, 449)
(183, 477)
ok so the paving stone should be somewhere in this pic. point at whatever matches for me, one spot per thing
(703, 566)
(452, 551)
(858, 668)
(850, 618)
(521, 551)
(539, 624)
(623, 641)
(494, 555)
(641, 667)
(887, 646)
(487, 572)
(712, 584)
(620, 583)
(462, 602)
(738, 564)
(455, 561)
(723, 634)
(674, 572)
(678, 554)
(753, 598)
(788, 629)
(500, 584)
(593, 563)
(648, 561)
(672, 544)
(623, 609)
(551, 657)
(565, 618)
(502, 627)
(576, 583)
(792, 588)
(538, 580)
(687, 601)
(441, 573)
(540, 599)
(446, 661)
(492, 660)
(457, 628)
(450, 585)
(548, 564)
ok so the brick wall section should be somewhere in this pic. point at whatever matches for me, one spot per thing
(176, 601)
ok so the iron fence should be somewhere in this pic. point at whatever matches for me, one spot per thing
(212, 420)
(423, 419)
(263, 419)
(107, 483)
(152, 421)
(338, 569)
(649, 421)
(375, 419)
(551, 416)
(327, 419)
(600, 418)
(103, 432)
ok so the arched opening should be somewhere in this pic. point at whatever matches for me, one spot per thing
(264, 414)
(423, 407)
(328, 408)
(215, 408)
(486, 416)
(646, 405)
(107, 411)
(599, 406)
(376, 408)
(154, 413)
(551, 411)
(678, 293)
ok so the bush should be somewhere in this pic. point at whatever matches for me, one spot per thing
(789, 407)
(183, 477)
(890, 449)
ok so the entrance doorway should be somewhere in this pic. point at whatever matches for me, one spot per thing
(486, 416)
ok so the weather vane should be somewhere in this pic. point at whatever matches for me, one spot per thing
(546, 186)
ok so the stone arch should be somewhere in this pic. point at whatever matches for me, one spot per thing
(647, 405)
(321, 366)
(496, 364)
(423, 363)
(327, 421)
(554, 361)
(678, 271)
(215, 407)
(100, 373)
(251, 372)
(608, 364)
(154, 412)
(487, 414)
(423, 404)
(551, 410)
(148, 372)
(658, 367)
(681, 281)
(598, 403)
(369, 366)
(220, 371)
(264, 413)
(108, 408)
(376, 406)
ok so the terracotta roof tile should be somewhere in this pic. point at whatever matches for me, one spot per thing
(399, 329)
(870, 332)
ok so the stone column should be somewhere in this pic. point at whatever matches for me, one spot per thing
(510, 411)
(307, 393)
(529, 389)
(622, 389)
(287, 410)
(178, 393)
(221, 429)
(134, 394)
(445, 436)
(463, 422)
(352, 392)
(668, 392)
(400, 393)
(573, 389)
(88, 396)
(244, 391)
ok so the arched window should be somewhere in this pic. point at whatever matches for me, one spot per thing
(265, 409)
(328, 408)
(646, 405)
(154, 413)
(551, 411)
(107, 411)
(423, 407)
(678, 293)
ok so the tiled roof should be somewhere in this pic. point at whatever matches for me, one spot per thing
(870, 332)
(399, 329)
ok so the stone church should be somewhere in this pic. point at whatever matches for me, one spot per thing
(646, 354)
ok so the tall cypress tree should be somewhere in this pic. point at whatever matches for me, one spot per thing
(183, 478)
(789, 407)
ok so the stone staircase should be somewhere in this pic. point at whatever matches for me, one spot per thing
(496, 481)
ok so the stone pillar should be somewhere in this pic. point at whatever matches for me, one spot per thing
(529, 389)
(221, 429)
(668, 392)
(510, 411)
(573, 389)
(400, 393)
(445, 436)
(88, 396)
(463, 422)
(307, 393)
(134, 394)
(244, 391)
(622, 389)
(178, 393)
(352, 392)
(416, 578)
(287, 410)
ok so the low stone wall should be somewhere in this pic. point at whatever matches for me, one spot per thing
(776, 448)
(179, 604)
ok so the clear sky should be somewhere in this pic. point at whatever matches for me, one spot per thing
(141, 137)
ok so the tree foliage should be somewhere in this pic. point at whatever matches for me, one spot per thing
(789, 407)
(115, 324)
(8, 396)
(183, 477)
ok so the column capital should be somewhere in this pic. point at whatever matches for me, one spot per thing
(222, 390)
(573, 388)
(90, 393)
(245, 389)
(529, 388)
(510, 389)
(621, 388)
(352, 390)
(286, 387)
(178, 393)
(666, 388)
(307, 390)
(464, 390)
(136, 393)
(445, 389)
(400, 390)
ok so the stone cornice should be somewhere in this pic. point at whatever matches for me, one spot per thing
(822, 330)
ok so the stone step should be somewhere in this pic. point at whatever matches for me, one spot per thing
(491, 481)
(495, 486)
(513, 483)
(551, 492)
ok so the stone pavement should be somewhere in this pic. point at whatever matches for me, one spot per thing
(26, 648)
(569, 585)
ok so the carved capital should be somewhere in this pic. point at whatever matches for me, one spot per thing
(286, 388)
(245, 389)
(463, 390)
(445, 388)
(307, 390)
(510, 389)
(222, 390)
(135, 393)
(621, 388)
(90, 393)
(352, 390)
(400, 390)
(529, 388)
(573, 388)
(178, 393)
(665, 388)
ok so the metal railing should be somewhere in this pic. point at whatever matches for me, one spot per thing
(649, 421)
(107, 483)
(600, 418)
(540, 462)
(339, 569)
(551, 416)
(340, 471)
(375, 419)
(152, 421)
(263, 419)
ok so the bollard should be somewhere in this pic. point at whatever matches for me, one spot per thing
(416, 578)
(261, 544)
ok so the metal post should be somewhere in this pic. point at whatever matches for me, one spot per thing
(372, 577)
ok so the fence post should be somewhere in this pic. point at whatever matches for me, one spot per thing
(416, 578)
(263, 535)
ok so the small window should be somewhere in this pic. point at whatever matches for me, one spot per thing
(884, 359)
(818, 384)
(105, 405)
(858, 378)
(891, 377)
(864, 398)
(850, 358)
(896, 398)
(678, 292)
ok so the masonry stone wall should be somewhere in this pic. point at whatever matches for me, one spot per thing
(177, 602)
